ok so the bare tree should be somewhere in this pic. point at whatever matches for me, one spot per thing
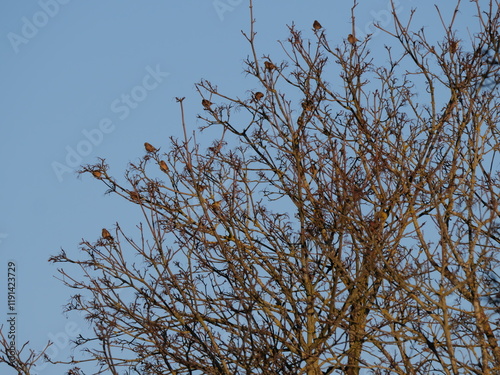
(344, 221)
(14, 357)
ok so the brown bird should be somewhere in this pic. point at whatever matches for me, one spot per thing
(97, 174)
(352, 39)
(163, 166)
(317, 25)
(106, 235)
(215, 205)
(134, 195)
(206, 103)
(453, 46)
(381, 216)
(269, 65)
(307, 105)
(149, 147)
(258, 95)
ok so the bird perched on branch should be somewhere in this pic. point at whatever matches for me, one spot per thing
(206, 103)
(135, 196)
(453, 46)
(257, 96)
(352, 39)
(269, 65)
(149, 147)
(381, 216)
(215, 205)
(317, 25)
(97, 174)
(106, 235)
(163, 166)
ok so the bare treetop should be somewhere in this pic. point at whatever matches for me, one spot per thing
(339, 224)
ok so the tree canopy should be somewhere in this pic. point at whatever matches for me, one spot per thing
(344, 221)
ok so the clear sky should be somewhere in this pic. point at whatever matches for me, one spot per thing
(88, 79)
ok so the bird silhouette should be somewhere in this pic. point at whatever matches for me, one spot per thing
(269, 65)
(106, 235)
(453, 46)
(163, 166)
(134, 195)
(206, 103)
(317, 25)
(352, 39)
(149, 147)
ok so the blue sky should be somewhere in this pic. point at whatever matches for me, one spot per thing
(88, 79)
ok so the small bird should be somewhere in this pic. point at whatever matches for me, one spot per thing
(317, 25)
(352, 39)
(258, 95)
(163, 166)
(215, 205)
(149, 147)
(200, 188)
(206, 103)
(269, 65)
(453, 46)
(374, 225)
(134, 195)
(381, 216)
(307, 105)
(106, 235)
(97, 174)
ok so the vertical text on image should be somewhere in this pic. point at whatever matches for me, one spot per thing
(11, 306)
